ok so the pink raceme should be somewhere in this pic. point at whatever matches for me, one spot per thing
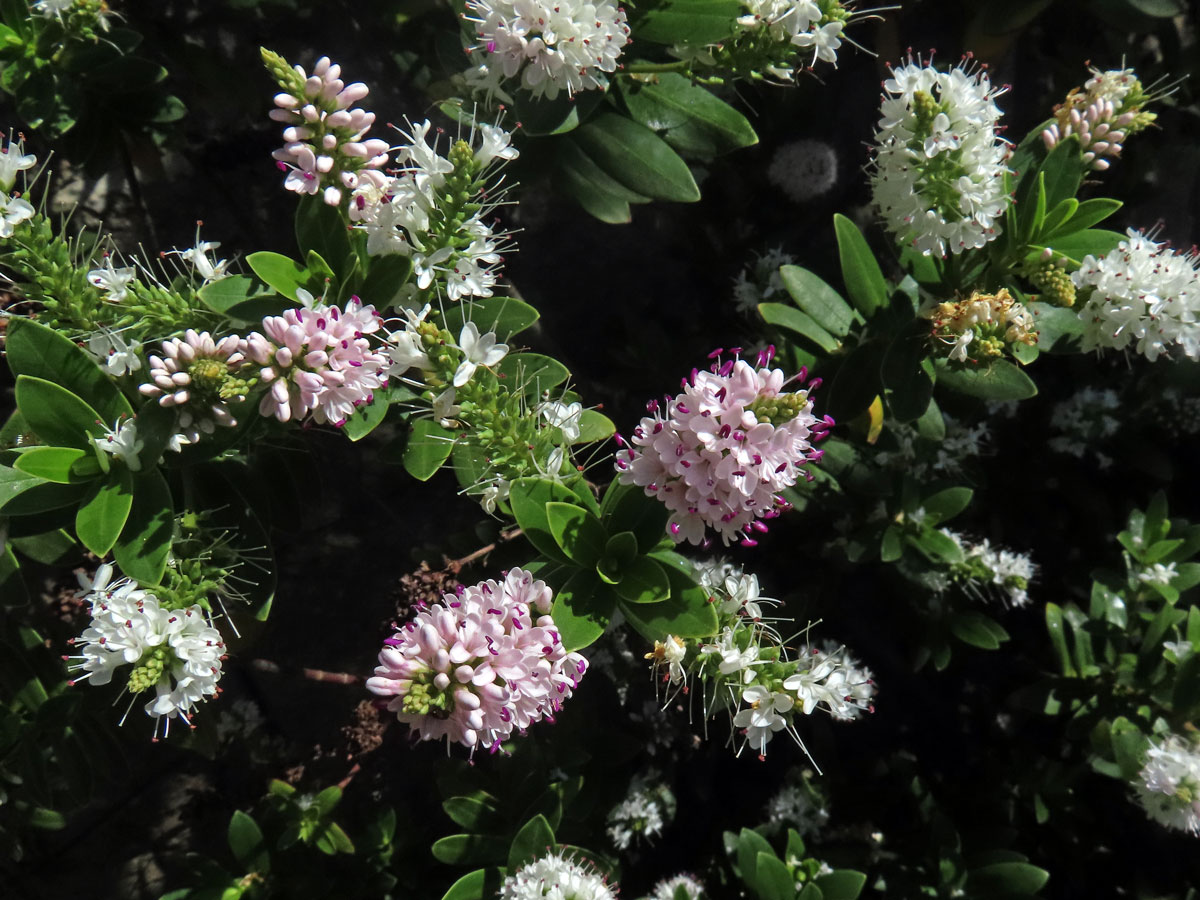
(479, 664)
(719, 453)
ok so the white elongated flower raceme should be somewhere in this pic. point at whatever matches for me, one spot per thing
(556, 877)
(1141, 294)
(177, 652)
(113, 282)
(480, 350)
(420, 212)
(669, 889)
(938, 178)
(1169, 784)
(553, 45)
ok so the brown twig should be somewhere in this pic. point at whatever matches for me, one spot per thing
(455, 565)
(266, 665)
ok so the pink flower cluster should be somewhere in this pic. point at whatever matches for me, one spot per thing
(719, 453)
(323, 140)
(315, 359)
(477, 665)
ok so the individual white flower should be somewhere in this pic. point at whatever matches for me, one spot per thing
(823, 682)
(479, 350)
(671, 654)
(1169, 784)
(552, 469)
(52, 8)
(824, 41)
(556, 876)
(496, 143)
(13, 159)
(112, 281)
(444, 407)
(939, 167)
(565, 417)
(209, 270)
(123, 443)
(762, 716)
(733, 657)
(1179, 649)
(114, 355)
(13, 211)
(1141, 293)
(495, 492)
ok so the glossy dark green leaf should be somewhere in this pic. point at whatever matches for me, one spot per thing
(864, 279)
(841, 884)
(687, 614)
(477, 812)
(695, 22)
(368, 417)
(25, 495)
(577, 532)
(56, 415)
(13, 591)
(857, 382)
(802, 324)
(224, 294)
(1086, 214)
(528, 498)
(582, 609)
(104, 511)
(995, 381)
(1006, 879)
(820, 301)
(320, 228)
(57, 464)
(598, 193)
(594, 426)
(534, 840)
(627, 508)
(1056, 217)
(970, 628)
(428, 448)
(936, 546)
(1059, 329)
(636, 157)
(470, 850)
(1090, 241)
(385, 280)
(279, 272)
(690, 118)
(33, 349)
(643, 581)
(909, 387)
(482, 884)
(749, 845)
(246, 842)
(506, 316)
(946, 504)
(772, 880)
(142, 549)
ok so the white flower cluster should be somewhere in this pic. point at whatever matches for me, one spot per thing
(1141, 293)
(177, 652)
(939, 167)
(557, 876)
(553, 45)
(760, 281)
(669, 889)
(988, 571)
(641, 815)
(414, 213)
(1083, 420)
(1101, 115)
(793, 806)
(859, 680)
(1169, 784)
(962, 442)
(800, 23)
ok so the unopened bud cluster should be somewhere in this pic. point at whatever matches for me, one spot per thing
(1055, 284)
(1102, 114)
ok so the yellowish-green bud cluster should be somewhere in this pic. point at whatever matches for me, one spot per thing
(149, 669)
(780, 408)
(1055, 284)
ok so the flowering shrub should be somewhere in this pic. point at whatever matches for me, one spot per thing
(953, 430)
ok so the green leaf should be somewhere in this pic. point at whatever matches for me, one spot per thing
(155, 426)
(1059, 329)
(226, 294)
(772, 880)
(594, 426)
(104, 511)
(1086, 214)
(1006, 879)
(856, 384)
(1060, 214)
(1128, 746)
(891, 547)
(864, 279)
(50, 548)
(528, 498)
(627, 508)
(57, 464)
(1063, 170)
(1185, 695)
(482, 884)
(428, 448)
(637, 158)
(695, 22)
(577, 532)
(794, 320)
(33, 349)
(1031, 208)
(932, 424)
(476, 812)
(643, 581)
(946, 504)
(997, 380)
(470, 850)
(909, 387)
(370, 416)
(320, 228)
(1090, 241)
(819, 300)
(142, 549)
(534, 840)
(25, 495)
(974, 628)
(531, 374)
(690, 118)
(505, 316)
(56, 415)
(687, 614)
(749, 845)
(279, 272)
(1058, 639)
(936, 546)
(385, 280)
(543, 117)
(13, 591)
(582, 609)
(246, 842)
(597, 192)
(841, 884)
